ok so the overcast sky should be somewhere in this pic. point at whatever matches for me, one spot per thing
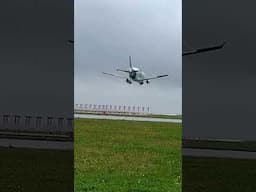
(108, 31)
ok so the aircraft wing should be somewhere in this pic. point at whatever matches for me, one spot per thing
(157, 77)
(114, 75)
(206, 49)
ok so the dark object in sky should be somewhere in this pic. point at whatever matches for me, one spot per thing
(71, 41)
(206, 49)
(135, 74)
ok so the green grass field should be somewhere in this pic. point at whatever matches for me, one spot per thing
(127, 156)
(216, 174)
(30, 170)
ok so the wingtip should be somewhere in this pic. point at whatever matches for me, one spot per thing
(224, 43)
(162, 76)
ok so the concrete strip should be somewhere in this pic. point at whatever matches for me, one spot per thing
(87, 116)
(35, 136)
(37, 144)
(218, 153)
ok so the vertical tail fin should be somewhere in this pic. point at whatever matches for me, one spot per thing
(130, 62)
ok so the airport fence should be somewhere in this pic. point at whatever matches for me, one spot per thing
(36, 123)
(112, 108)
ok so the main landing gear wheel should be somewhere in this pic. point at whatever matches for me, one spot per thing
(147, 81)
(128, 81)
(141, 83)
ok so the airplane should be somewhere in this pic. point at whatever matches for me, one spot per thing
(135, 74)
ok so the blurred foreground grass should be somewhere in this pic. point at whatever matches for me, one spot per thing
(30, 170)
(218, 174)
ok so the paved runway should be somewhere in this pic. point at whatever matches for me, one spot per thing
(87, 116)
(218, 153)
(36, 144)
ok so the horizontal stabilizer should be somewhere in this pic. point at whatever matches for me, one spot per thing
(126, 71)
(114, 75)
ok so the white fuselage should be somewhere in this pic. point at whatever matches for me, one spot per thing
(137, 75)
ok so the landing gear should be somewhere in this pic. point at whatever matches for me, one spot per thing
(147, 81)
(128, 81)
(141, 83)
